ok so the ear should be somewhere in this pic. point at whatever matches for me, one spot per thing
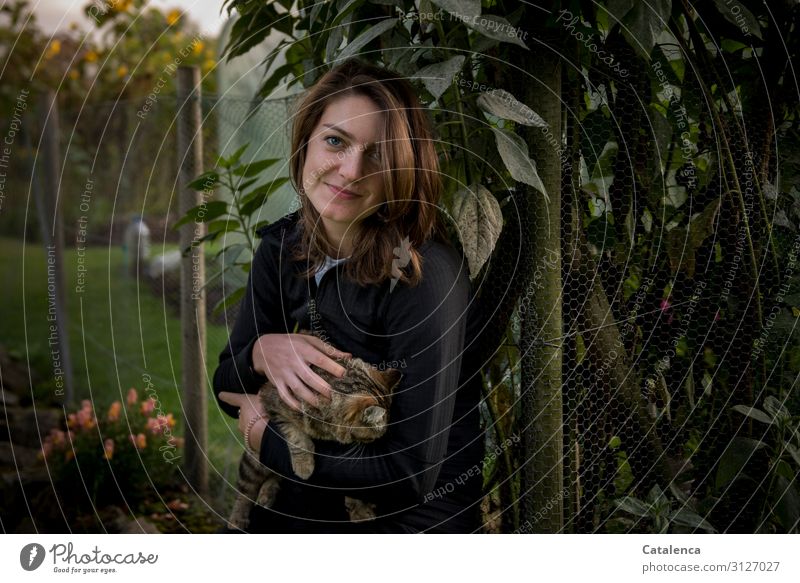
(391, 378)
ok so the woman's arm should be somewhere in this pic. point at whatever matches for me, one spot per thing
(425, 327)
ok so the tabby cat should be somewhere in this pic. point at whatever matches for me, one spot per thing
(357, 412)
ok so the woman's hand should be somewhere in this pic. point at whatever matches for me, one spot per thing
(249, 410)
(286, 359)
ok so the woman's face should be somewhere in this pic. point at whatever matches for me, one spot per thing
(342, 173)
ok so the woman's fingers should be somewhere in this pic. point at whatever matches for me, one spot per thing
(313, 381)
(327, 349)
(300, 391)
(287, 397)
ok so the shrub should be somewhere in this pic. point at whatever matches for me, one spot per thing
(116, 456)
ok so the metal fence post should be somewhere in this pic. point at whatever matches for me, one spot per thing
(193, 298)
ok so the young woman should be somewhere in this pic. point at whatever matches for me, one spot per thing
(365, 262)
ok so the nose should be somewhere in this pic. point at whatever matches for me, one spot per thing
(374, 416)
(351, 164)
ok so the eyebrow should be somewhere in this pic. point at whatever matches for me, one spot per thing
(344, 132)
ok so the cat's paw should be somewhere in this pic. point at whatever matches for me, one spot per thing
(303, 466)
(268, 492)
(359, 510)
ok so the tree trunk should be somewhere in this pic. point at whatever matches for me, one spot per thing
(542, 489)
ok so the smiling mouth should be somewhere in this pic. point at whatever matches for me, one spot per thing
(342, 192)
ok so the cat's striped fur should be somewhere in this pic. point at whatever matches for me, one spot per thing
(357, 412)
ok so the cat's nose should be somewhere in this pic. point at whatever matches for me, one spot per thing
(374, 416)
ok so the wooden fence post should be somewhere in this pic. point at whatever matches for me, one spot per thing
(51, 222)
(193, 297)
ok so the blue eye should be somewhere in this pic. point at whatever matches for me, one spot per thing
(333, 138)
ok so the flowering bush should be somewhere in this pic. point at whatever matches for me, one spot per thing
(116, 455)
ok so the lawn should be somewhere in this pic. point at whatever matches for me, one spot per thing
(120, 334)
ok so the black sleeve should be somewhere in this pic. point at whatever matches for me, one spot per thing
(425, 326)
(258, 315)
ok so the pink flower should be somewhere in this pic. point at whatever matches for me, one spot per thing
(148, 406)
(57, 437)
(138, 441)
(132, 397)
(85, 419)
(114, 411)
(86, 404)
(108, 447)
(665, 304)
(154, 425)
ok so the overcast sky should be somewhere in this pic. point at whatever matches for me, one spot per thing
(54, 15)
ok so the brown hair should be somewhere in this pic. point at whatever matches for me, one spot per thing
(409, 166)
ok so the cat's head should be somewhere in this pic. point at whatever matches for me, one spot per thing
(361, 400)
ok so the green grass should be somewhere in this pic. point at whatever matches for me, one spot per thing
(118, 331)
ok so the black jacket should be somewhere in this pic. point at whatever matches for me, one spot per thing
(425, 474)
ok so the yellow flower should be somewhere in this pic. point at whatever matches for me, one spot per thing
(53, 49)
(73, 74)
(197, 47)
(91, 56)
(209, 64)
(122, 70)
(173, 16)
(141, 441)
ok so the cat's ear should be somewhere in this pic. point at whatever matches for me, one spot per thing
(391, 377)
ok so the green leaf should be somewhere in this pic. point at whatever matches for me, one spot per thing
(203, 213)
(735, 457)
(633, 506)
(514, 152)
(438, 77)
(686, 517)
(643, 23)
(224, 225)
(231, 253)
(241, 186)
(502, 104)
(497, 28)
(229, 301)
(480, 221)
(256, 198)
(254, 168)
(617, 9)
(207, 181)
(753, 413)
(743, 19)
(786, 502)
(776, 409)
(233, 159)
(682, 243)
(794, 452)
(460, 8)
(366, 37)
